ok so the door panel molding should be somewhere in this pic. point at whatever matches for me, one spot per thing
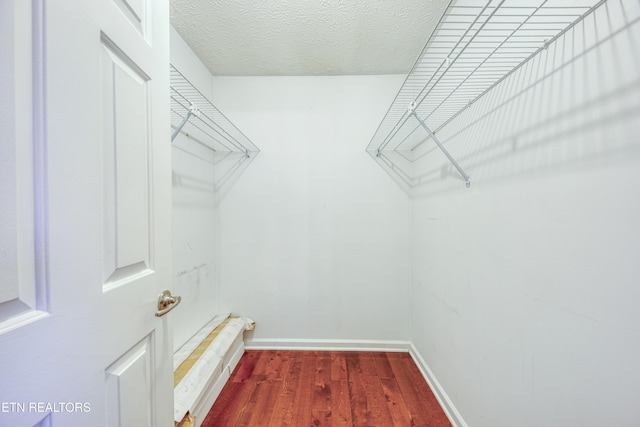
(126, 157)
(23, 228)
(137, 13)
(129, 387)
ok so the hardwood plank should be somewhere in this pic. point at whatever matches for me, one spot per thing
(229, 406)
(283, 407)
(367, 364)
(358, 395)
(397, 355)
(377, 407)
(411, 393)
(397, 407)
(383, 368)
(441, 418)
(272, 365)
(280, 365)
(301, 415)
(354, 372)
(340, 404)
(260, 405)
(359, 408)
(430, 400)
(262, 361)
(245, 367)
(321, 418)
(338, 366)
(321, 400)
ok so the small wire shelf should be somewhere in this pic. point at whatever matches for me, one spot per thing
(474, 46)
(193, 115)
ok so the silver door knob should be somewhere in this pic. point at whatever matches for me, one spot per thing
(166, 303)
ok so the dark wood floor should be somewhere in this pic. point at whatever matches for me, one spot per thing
(309, 388)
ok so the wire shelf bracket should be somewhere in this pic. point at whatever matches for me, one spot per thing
(474, 46)
(412, 111)
(194, 116)
(193, 111)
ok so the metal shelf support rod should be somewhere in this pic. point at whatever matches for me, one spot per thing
(192, 111)
(467, 180)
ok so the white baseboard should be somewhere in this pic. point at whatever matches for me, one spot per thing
(326, 345)
(446, 404)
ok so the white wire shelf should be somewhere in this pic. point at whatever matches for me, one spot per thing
(475, 45)
(193, 115)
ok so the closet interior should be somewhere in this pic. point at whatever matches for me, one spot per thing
(496, 289)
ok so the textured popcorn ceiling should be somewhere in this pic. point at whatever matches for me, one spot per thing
(306, 37)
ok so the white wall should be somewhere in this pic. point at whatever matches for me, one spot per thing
(525, 286)
(194, 200)
(314, 237)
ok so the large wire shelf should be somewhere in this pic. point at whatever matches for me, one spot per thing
(474, 46)
(193, 115)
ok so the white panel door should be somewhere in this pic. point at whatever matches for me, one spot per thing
(85, 181)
